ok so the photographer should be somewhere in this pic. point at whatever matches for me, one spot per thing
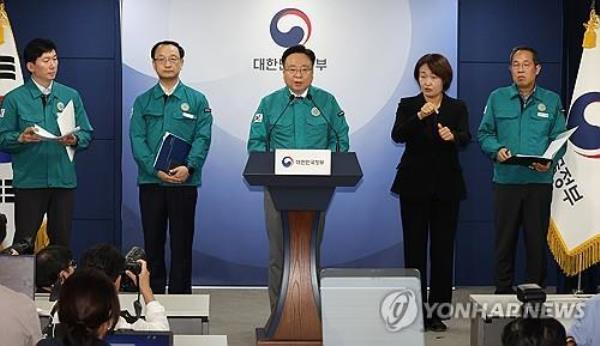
(53, 265)
(108, 259)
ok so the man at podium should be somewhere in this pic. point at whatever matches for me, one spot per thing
(297, 116)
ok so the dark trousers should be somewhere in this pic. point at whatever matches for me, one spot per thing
(516, 206)
(274, 225)
(30, 207)
(434, 220)
(177, 206)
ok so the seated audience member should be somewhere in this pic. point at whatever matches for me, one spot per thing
(534, 332)
(53, 265)
(109, 260)
(19, 320)
(89, 309)
(584, 331)
(23, 247)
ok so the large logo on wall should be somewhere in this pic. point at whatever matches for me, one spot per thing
(296, 34)
(585, 113)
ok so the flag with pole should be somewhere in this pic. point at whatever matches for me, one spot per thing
(10, 78)
(574, 232)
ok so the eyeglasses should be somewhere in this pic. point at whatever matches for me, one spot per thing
(163, 60)
(524, 66)
(294, 70)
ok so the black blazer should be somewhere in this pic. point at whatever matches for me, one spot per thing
(430, 166)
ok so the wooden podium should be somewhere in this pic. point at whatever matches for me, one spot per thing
(296, 319)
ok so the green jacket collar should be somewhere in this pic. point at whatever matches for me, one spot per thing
(179, 92)
(514, 92)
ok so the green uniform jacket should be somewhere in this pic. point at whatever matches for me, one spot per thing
(526, 131)
(185, 113)
(42, 164)
(301, 126)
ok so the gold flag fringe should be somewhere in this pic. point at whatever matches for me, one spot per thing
(577, 260)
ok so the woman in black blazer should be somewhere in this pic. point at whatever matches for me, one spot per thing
(429, 180)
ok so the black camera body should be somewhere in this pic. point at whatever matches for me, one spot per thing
(533, 298)
(131, 259)
(134, 267)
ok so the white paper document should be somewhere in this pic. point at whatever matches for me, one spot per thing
(555, 146)
(66, 125)
(49, 136)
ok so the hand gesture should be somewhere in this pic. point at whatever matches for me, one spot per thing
(427, 109)
(445, 133)
(503, 155)
(29, 136)
(180, 173)
(69, 140)
(540, 167)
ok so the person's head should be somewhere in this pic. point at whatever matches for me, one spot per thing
(89, 307)
(298, 62)
(53, 263)
(41, 60)
(534, 332)
(524, 67)
(434, 74)
(105, 258)
(167, 59)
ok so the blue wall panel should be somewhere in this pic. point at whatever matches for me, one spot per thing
(87, 36)
(95, 81)
(487, 32)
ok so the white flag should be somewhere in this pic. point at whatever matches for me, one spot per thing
(10, 78)
(574, 234)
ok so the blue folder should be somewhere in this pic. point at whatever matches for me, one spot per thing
(173, 152)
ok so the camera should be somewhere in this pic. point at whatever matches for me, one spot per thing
(533, 297)
(131, 259)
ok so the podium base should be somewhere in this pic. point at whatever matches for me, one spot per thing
(261, 340)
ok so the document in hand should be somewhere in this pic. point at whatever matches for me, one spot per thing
(173, 152)
(66, 124)
(46, 135)
(548, 156)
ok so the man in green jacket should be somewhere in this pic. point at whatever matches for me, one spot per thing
(522, 118)
(169, 196)
(294, 118)
(44, 177)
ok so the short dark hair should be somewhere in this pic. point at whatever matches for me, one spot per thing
(36, 48)
(167, 42)
(534, 331)
(87, 300)
(105, 258)
(439, 65)
(534, 53)
(298, 49)
(49, 262)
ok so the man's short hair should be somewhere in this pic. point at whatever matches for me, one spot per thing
(439, 65)
(534, 331)
(167, 42)
(49, 262)
(36, 48)
(299, 49)
(106, 258)
(534, 53)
